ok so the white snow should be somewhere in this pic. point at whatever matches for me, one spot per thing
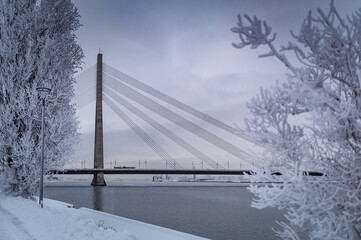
(24, 219)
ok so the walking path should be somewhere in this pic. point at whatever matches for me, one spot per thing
(11, 228)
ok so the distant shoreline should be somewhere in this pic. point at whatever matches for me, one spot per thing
(137, 183)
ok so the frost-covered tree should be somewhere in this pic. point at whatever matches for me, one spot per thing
(37, 48)
(312, 121)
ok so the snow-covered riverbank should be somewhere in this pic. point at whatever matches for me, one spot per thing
(23, 219)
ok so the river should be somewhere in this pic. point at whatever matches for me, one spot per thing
(215, 212)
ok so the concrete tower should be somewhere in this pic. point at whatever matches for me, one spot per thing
(98, 179)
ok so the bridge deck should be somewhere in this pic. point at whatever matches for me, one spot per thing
(165, 171)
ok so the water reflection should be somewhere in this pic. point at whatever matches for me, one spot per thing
(98, 198)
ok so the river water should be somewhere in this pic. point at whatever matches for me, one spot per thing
(209, 211)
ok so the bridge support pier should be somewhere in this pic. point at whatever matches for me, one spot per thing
(98, 179)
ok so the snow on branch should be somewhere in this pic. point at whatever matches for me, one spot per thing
(257, 33)
(310, 122)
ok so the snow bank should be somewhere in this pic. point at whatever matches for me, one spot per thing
(56, 221)
(24, 219)
(140, 229)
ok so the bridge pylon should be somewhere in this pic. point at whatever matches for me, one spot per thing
(98, 179)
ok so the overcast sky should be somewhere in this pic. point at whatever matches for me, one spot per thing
(183, 48)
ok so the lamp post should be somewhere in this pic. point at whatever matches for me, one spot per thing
(43, 92)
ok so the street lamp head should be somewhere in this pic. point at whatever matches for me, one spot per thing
(43, 90)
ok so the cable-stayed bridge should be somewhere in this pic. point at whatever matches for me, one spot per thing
(120, 91)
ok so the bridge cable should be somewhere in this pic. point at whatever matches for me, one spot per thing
(162, 129)
(175, 118)
(85, 98)
(84, 87)
(87, 80)
(178, 120)
(86, 74)
(166, 98)
(143, 135)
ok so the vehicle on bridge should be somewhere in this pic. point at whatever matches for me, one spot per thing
(123, 167)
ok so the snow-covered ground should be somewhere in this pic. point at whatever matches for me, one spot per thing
(23, 219)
